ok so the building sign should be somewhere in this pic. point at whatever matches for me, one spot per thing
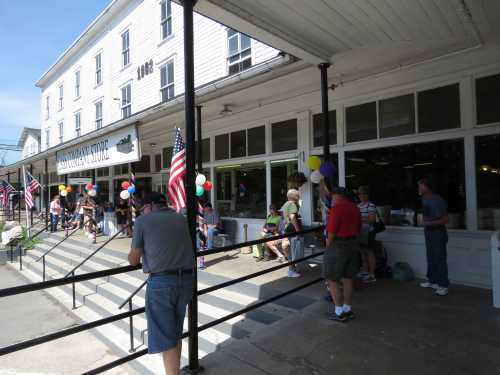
(118, 147)
(145, 69)
(79, 180)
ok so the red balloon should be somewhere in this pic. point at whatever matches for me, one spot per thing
(125, 185)
(208, 186)
(89, 186)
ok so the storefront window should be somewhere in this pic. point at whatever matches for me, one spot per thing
(257, 141)
(120, 169)
(222, 147)
(397, 116)
(319, 208)
(238, 144)
(487, 89)
(157, 163)
(392, 173)
(205, 150)
(241, 190)
(102, 191)
(361, 122)
(167, 156)
(281, 170)
(102, 172)
(284, 135)
(142, 166)
(318, 128)
(439, 109)
(488, 181)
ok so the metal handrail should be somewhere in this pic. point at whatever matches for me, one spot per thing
(95, 251)
(133, 294)
(57, 244)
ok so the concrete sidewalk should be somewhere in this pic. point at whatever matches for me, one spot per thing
(399, 329)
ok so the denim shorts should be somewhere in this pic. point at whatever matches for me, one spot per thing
(166, 301)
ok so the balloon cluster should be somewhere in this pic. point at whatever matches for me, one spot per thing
(319, 169)
(91, 190)
(202, 185)
(64, 190)
(128, 190)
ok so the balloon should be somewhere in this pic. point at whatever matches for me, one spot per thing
(63, 193)
(208, 186)
(199, 190)
(200, 179)
(95, 187)
(125, 185)
(315, 177)
(327, 169)
(124, 194)
(313, 163)
(131, 189)
(89, 186)
(62, 187)
(69, 189)
(92, 193)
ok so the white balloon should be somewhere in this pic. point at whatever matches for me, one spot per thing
(63, 193)
(124, 194)
(315, 177)
(200, 179)
(92, 193)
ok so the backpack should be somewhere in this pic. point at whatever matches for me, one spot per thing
(403, 272)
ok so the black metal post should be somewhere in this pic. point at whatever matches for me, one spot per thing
(11, 253)
(47, 198)
(19, 194)
(131, 328)
(8, 200)
(326, 121)
(190, 172)
(43, 268)
(74, 291)
(20, 248)
(199, 148)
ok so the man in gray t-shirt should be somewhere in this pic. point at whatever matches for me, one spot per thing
(435, 215)
(162, 239)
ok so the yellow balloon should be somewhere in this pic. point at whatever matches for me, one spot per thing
(314, 163)
(62, 187)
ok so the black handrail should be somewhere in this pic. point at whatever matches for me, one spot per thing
(57, 244)
(95, 251)
(133, 294)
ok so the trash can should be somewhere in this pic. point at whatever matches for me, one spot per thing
(495, 268)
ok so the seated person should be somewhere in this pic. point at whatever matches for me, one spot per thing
(270, 228)
(211, 224)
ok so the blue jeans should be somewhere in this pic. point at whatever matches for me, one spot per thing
(211, 233)
(296, 249)
(166, 300)
(54, 219)
(437, 265)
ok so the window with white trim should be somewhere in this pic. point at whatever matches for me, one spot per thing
(98, 114)
(77, 84)
(47, 138)
(166, 19)
(125, 49)
(98, 70)
(61, 132)
(61, 96)
(78, 124)
(126, 101)
(239, 51)
(167, 81)
(47, 107)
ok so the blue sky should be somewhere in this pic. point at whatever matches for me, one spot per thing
(33, 34)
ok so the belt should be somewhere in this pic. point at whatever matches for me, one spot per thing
(345, 238)
(179, 272)
(435, 227)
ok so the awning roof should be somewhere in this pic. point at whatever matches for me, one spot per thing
(361, 37)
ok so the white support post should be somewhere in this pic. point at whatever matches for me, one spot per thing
(25, 205)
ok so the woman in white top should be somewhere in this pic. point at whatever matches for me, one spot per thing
(55, 212)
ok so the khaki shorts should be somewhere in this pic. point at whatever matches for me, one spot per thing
(341, 260)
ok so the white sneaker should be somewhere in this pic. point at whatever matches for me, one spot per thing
(293, 274)
(440, 291)
(427, 284)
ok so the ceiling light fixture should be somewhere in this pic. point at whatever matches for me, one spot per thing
(226, 111)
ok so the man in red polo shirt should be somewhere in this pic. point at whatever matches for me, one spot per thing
(341, 259)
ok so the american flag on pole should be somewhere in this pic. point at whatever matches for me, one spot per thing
(32, 185)
(5, 189)
(176, 191)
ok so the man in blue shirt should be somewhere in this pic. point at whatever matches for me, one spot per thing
(435, 213)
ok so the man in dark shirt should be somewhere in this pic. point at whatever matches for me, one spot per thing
(163, 241)
(435, 215)
(341, 259)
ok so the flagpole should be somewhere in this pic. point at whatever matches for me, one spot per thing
(25, 205)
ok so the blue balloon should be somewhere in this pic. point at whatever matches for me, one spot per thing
(327, 169)
(95, 187)
(131, 189)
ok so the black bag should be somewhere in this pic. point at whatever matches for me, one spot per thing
(378, 225)
(290, 228)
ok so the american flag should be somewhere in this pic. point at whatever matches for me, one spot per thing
(32, 185)
(176, 191)
(5, 189)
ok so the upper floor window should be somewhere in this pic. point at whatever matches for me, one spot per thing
(125, 49)
(98, 115)
(126, 101)
(239, 51)
(47, 138)
(61, 96)
(488, 110)
(61, 132)
(47, 107)
(77, 84)
(167, 81)
(98, 71)
(78, 123)
(166, 19)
